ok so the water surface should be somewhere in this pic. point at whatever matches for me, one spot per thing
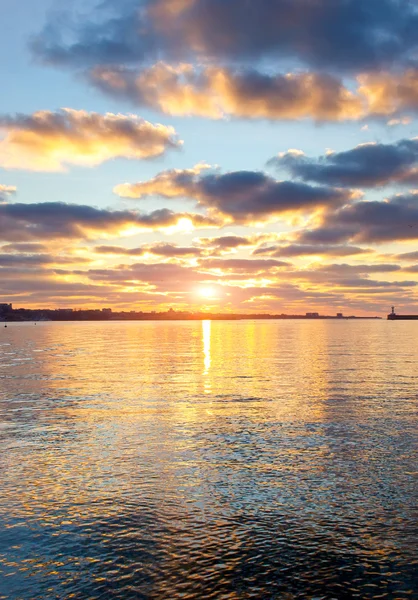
(225, 460)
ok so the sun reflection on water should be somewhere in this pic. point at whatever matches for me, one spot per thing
(207, 360)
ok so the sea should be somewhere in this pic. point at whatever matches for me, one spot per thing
(220, 460)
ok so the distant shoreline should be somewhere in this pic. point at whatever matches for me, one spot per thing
(200, 317)
(10, 314)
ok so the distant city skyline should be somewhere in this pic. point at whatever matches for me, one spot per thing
(10, 313)
(232, 157)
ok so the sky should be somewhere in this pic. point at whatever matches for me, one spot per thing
(246, 156)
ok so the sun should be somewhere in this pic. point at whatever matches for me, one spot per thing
(183, 225)
(207, 292)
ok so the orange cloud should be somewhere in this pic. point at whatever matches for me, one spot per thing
(215, 91)
(49, 141)
(390, 93)
(169, 184)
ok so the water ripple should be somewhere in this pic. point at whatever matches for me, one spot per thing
(230, 461)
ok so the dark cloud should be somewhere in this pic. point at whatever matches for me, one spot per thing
(52, 220)
(407, 256)
(368, 165)
(158, 249)
(294, 250)
(248, 196)
(413, 269)
(340, 34)
(358, 282)
(351, 279)
(172, 250)
(32, 286)
(29, 248)
(38, 260)
(226, 242)
(368, 222)
(119, 251)
(346, 275)
(243, 196)
(343, 269)
(218, 246)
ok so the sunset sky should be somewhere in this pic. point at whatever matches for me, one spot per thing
(227, 155)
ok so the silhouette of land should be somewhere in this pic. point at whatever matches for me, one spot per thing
(8, 313)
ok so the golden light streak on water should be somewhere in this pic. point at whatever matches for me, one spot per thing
(207, 361)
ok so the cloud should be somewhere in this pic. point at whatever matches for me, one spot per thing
(31, 286)
(215, 92)
(162, 276)
(368, 222)
(251, 285)
(407, 256)
(119, 251)
(30, 248)
(242, 265)
(367, 165)
(344, 35)
(297, 250)
(252, 93)
(412, 269)
(38, 260)
(49, 141)
(396, 122)
(158, 249)
(242, 196)
(169, 283)
(390, 93)
(369, 284)
(334, 59)
(341, 270)
(350, 279)
(226, 244)
(55, 220)
(185, 279)
(168, 184)
(6, 191)
(172, 250)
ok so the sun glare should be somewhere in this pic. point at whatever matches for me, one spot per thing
(207, 292)
(183, 225)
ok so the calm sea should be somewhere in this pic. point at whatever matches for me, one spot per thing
(223, 460)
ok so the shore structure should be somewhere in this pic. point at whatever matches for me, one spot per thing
(392, 316)
(8, 313)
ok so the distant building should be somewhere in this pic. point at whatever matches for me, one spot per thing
(312, 315)
(340, 315)
(65, 310)
(107, 310)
